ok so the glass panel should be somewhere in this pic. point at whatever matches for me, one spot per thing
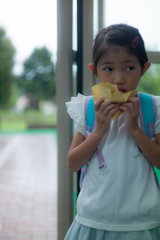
(74, 82)
(74, 47)
(143, 15)
(124, 13)
(150, 82)
(74, 26)
(28, 46)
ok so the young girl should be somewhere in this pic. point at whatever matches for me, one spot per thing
(123, 203)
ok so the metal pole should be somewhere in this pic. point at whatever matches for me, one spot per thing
(87, 45)
(84, 53)
(64, 126)
(80, 45)
(79, 59)
(100, 14)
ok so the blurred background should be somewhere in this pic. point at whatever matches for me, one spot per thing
(28, 118)
(28, 45)
(28, 55)
(45, 48)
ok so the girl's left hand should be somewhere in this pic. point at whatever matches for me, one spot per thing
(131, 108)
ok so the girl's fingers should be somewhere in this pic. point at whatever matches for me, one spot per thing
(131, 105)
(110, 107)
(98, 103)
(129, 109)
(111, 112)
(135, 101)
(126, 107)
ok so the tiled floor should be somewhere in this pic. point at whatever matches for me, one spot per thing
(28, 187)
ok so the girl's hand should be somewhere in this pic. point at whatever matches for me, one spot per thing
(104, 112)
(131, 108)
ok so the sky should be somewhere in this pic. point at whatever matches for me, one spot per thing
(29, 24)
(33, 23)
(142, 14)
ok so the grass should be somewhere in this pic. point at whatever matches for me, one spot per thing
(10, 120)
(13, 125)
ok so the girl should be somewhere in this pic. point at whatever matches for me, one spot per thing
(123, 203)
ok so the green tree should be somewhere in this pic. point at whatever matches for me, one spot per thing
(7, 52)
(38, 78)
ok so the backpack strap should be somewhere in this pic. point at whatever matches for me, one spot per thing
(84, 169)
(90, 114)
(88, 129)
(90, 125)
(148, 119)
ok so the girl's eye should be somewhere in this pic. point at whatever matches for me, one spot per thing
(108, 69)
(129, 68)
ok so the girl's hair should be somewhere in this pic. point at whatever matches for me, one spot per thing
(119, 35)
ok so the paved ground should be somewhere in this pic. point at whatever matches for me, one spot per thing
(28, 187)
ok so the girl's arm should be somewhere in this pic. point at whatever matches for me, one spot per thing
(82, 149)
(150, 149)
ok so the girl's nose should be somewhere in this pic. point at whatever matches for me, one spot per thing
(119, 78)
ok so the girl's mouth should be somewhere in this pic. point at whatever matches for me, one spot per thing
(122, 90)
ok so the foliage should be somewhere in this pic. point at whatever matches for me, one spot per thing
(7, 52)
(38, 78)
(14, 94)
(150, 82)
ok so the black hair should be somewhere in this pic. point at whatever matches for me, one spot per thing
(119, 35)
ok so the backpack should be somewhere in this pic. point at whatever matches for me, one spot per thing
(147, 119)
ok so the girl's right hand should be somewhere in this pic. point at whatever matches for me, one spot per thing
(103, 113)
(82, 149)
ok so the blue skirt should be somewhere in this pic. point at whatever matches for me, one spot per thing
(78, 231)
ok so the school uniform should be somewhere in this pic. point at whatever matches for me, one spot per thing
(121, 200)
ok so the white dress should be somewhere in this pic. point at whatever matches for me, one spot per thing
(125, 198)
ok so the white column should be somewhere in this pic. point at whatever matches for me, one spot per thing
(64, 123)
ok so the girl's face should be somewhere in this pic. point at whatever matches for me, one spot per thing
(121, 68)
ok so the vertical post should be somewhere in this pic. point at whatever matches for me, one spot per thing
(80, 45)
(84, 53)
(101, 5)
(64, 125)
(79, 59)
(87, 45)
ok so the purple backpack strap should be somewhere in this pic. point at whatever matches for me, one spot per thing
(151, 130)
(154, 112)
(141, 115)
(151, 125)
(101, 161)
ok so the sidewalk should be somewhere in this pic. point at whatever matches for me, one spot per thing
(28, 187)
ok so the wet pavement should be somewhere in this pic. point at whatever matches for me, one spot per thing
(28, 187)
